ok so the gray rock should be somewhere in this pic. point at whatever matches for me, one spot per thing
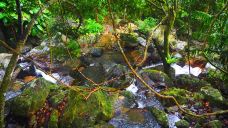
(5, 59)
(141, 41)
(96, 52)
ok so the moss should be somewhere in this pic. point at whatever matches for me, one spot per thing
(212, 95)
(130, 98)
(130, 40)
(190, 82)
(181, 95)
(159, 76)
(160, 116)
(53, 121)
(85, 113)
(56, 97)
(214, 124)
(182, 124)
(32, 98)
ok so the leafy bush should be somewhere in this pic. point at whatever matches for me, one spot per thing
(61, 52)
(91, 26)
(146, 25)
(9, 15)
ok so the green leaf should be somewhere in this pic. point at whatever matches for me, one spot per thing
(2, 15)
(2, 4)
(40, 27)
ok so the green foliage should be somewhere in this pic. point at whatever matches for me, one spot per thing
(147, 24)
(61, 52)
(74, 48)
(170, 59)
(9, 14)
(91, 26)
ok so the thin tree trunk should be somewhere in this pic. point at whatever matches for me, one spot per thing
(168, 28)
(22, 38)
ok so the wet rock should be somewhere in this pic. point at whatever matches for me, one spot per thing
(129, 98)
(160, 116)
(212, 95)
(214, 124)
(80, 112)
(96, 52)
(141, 41)
(134, 118)
(190, 82)
(129, 40)
(2, 73)
(53, 120)
(181, 95)
(182, 124)
(118, 71)
(158, 77)
(5, 59)
(32, 98)
(96, 73)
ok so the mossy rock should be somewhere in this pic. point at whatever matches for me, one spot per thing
(160, 116)
(182, 124)
(56, 97)
(129, 98)
(53, 120)
(214, 124)
(190, 82)
(32, 98)
(158, 76)
(182, 96)
(80, 112)
(212, 95)
(129, 40)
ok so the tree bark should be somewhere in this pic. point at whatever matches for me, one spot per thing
(168, 27)
(13, 61)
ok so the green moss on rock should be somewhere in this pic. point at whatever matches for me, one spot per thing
(32, 98)
(214, 124)
(160, 116)
(158, 76)
(181, 95)
(190, 82)
(53, 120)
(56, 97)
(212, 95)
(182, 124)
(86, 113)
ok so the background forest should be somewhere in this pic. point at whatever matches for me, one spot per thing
(113, 63)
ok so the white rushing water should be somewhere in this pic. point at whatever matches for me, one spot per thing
(185, 70)
(46, 77)
(132, 88)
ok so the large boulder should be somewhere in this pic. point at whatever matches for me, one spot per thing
(181, 95)
(118, 71)
(129, 40)
(158, 77)
(190, 82)
(213, 95)
(32, 99)
(81, 112)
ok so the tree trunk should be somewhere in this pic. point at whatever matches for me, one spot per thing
(4, 85)
(168, 28)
